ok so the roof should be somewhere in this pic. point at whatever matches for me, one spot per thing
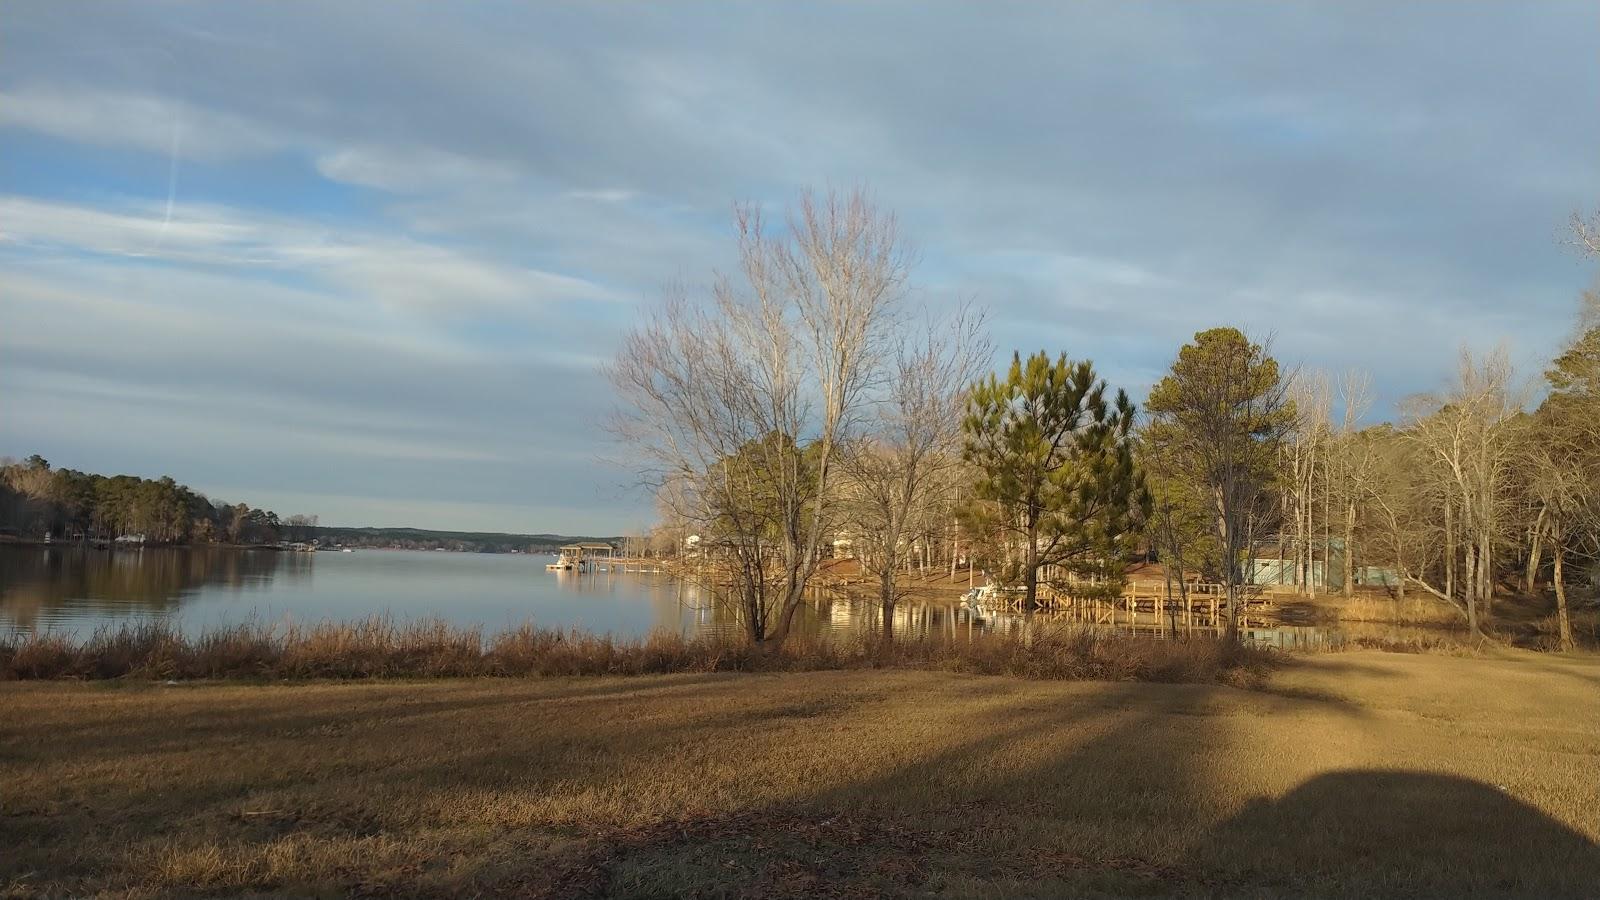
(589, 545)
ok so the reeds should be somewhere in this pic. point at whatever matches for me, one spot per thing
(382, 648)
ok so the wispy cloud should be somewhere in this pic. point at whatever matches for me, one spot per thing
(149, 122)
(420, 233)
(403, 273)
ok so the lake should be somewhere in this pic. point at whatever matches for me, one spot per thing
(74, 589)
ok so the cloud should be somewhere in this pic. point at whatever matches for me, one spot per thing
(433, 225)
(154, 123)
(403, 273)
(413, 170)
(607, 195)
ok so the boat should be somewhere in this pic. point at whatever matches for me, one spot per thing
(986, 595)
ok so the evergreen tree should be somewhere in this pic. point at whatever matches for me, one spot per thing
(1219, 416)
(1055, 462)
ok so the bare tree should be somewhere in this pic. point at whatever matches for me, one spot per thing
(1394, 493)
(1354, 459)
(1466, 435)
(897, 468)
(1561, 459)
(1562, 476)
(1305, 449)
(1586, 233)
(747, 396)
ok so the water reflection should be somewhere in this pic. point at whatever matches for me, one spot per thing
(47, 585)
(78, 589)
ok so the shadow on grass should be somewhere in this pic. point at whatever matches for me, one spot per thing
(1387, 833)
(1012, 788)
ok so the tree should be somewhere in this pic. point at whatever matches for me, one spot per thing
(1305, 452)
(899, 465)
(1353, 461)
(777, 367)
(1181, 525)
(1056, 462)
(1466, 435)
(1561, 453)
(1222, 413)
(1393, 493)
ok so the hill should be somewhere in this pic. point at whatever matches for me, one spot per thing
(467, 541)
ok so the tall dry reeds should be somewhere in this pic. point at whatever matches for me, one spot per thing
(382, 648)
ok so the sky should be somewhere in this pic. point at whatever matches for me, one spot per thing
(364, 259)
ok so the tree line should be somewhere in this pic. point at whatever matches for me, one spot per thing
(804, 403)
(37, 501)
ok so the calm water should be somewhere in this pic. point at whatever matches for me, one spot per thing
(78, 590)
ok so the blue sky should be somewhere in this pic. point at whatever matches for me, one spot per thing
(363, 259)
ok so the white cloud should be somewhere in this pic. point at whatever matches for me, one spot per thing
(146, 121)
(416, 170)
(606, 195)
(401, 273)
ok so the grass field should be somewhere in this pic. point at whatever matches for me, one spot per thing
(1344, 774)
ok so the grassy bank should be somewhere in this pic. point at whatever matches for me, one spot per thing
(380, 648)
(1343, 775)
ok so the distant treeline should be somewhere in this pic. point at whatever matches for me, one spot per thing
(465, 541)
(37, 501)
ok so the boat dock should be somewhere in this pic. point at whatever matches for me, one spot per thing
(597, 556)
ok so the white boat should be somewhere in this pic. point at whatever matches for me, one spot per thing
(986, 595)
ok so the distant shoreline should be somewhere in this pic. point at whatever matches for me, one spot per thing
(7, 541)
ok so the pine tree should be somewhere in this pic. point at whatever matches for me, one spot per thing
(1220, 415)
(1055, 462)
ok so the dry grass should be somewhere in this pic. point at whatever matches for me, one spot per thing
(380, 648)
(1355, 774)
(1415, 609)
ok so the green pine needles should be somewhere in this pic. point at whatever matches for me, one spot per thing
(1056, 481)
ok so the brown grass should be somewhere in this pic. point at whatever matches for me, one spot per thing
(380, 648)
(1354, 774)
(1413, 610)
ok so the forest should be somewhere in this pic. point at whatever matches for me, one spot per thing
(805, 409)
(38, 502)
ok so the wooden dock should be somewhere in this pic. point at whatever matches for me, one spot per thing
(1145, 604)
(638, 565)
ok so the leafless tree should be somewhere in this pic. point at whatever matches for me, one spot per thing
(1354, 459)
(1466, 435)
(897, 469)
(1305, 450)
(747, 396)
(1563, 477)
(1586, 233)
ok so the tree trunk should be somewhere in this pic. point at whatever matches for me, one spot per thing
(886, 600)
(1563, 623)
(955, 550)
(1309, 538)
(1349, 549)
(1030, 572)
(1399, 568)
(1449, 550)
(1535, 552)
(1486, 571)
(1472, 593)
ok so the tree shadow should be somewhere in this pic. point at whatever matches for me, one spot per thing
(1387, 833)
